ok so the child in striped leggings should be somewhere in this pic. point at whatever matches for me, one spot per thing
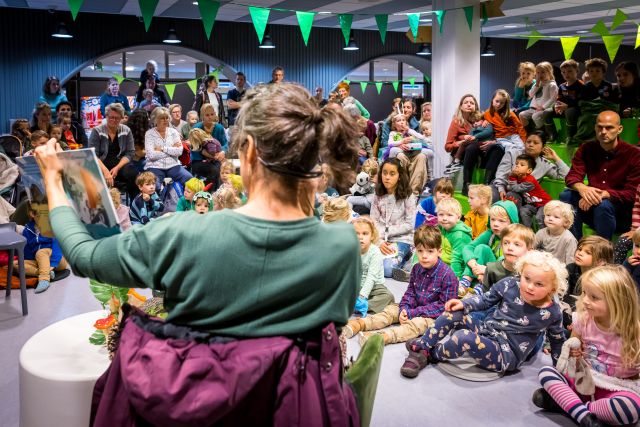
(607, 322)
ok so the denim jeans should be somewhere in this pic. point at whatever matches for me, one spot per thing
(404, 253)
(176, 173)
(605, 218)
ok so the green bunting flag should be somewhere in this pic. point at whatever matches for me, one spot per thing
(305, 21)
(440, 17)
(208, 13)
(75, 6)
(363, 86)
(534, 38)
(259, 17)
(468, 13)
(193, 85)
(379, 86)
(382, 21)
(345, 24)
(484, 14)
(618, 19)
(171, 87)
(414, 21)
(119, 78)
(569, 45)
(638, 38)
(612, 43)
(427, 78)
(147, 8)
(600, 28)
(412, 80)
(395, 85)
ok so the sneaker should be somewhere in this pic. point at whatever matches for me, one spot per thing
(543, 400)
(400, 275)
(455, 167)
(590, 420)
(414, 363)
(413, 345)
(43, 285)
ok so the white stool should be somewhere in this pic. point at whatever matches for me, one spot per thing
(58, 369)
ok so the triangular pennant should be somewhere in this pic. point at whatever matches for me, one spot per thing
(534, 37)
(74, 6)
(618, 19)
(363, 86)
(414, 22)
(600, 28)
(193, 85)
(638, 38)
(208, 13)
(305, 21)
(484, 14)
(612, 43)
(259, 17)
(379, 86)
(468, 13)
(412, 80)
(119, 78)
(171, 87)
(345, 24)
(440, 17)
(147, 8)
(382, 21)
(427, 78)
(395, 85)
(569, 45)
(347, 81)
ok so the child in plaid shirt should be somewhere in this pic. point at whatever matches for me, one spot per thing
(431, 285)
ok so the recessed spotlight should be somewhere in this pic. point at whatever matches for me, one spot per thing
(181, 60)
(131, 53)
(582, 31)
(171, 64)
(511, 26)
(118, 63)
(130, 68)
(324, 13)
(425, 20)
(195, 3)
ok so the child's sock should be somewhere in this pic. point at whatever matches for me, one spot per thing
(52, 275)
(43, 285)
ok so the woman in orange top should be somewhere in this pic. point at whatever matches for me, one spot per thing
(507, 127)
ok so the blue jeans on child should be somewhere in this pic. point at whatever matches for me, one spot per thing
(176, 173)
(404, 254)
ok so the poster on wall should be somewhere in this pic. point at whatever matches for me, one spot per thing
(90, 110)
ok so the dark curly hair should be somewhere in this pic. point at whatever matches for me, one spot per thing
(403, 189)
(138, 122)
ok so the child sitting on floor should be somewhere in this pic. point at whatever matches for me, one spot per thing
(479, 204)
(456, 232)
(592, 251)
(607, 325)
(432, 284)
(202, 202)
(191, 187)
(42, 255)
(486, 248)
(632, 264)
(336, 209)
(146, 205)
(526, 309)
(226, 198)
(525, 191)
(374, 295)
(230, 179)
(556, 237)
(426, 210)
(122, 211)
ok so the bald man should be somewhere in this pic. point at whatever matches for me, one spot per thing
(612, 168)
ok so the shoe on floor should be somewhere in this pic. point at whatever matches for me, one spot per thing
(543, 400)
(455, 167)
(413, 364)
(59, 275)
(43, 285)
(400, 275)
(590, 420)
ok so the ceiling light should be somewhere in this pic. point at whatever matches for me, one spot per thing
(267, 43)
(129, 68)
(425, 20)
(352, 45)
(61, 32)
(181, 60)
(487, 50)
(171, 64)
(172, 37)
(324, 13)
(511, 26)
(582, 31)
(425, 49)
(118, 63)
(131, 53)
(195, 3)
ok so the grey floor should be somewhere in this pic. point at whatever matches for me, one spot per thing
(431, 399)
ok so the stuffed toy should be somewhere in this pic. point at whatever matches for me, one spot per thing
(363, 186)
(576, 368)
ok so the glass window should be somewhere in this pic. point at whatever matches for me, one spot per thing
(182, 66)
(409, 71)
(137, 61)
(415, 90)
(385, 70)
(359, 74)
(110, 66)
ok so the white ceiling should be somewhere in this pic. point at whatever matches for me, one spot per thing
(554, 18)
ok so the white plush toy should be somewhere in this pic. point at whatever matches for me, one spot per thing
(363, 186)
(577, 369)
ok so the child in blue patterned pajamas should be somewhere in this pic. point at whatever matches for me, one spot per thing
(526, 308)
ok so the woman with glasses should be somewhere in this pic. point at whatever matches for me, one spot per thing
(257, 294)
(113, 143)
(52, 94)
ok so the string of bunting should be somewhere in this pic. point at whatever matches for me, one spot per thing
(611, 42)
(260, 16)
(171, 87)
(378, 84)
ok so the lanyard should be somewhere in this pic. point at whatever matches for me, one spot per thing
(388, 217)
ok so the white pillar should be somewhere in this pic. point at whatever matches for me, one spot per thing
(455, 69)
